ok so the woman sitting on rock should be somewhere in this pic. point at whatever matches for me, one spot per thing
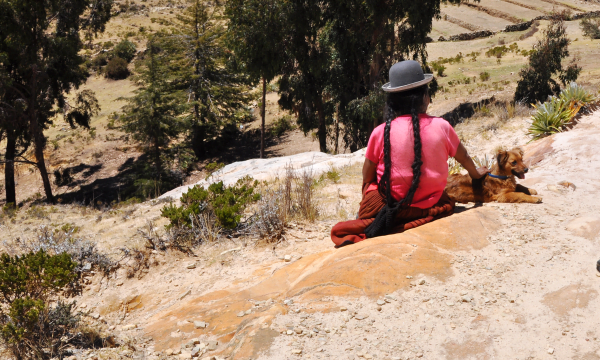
(406, 165)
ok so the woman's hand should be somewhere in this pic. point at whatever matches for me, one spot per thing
(465, 160)
(481, 172)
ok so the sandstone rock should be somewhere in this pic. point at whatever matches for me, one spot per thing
(422, 282)
(212, 345)
(380, 302)
(361, 316)
(297, 351)
(298, 331)
(191, 266)
(200, 324)
(287, 258)
(129, 327)
(241, 314)
(343, 308)
(289, 332)
(379, 308)
(550, 351)
(185, 355)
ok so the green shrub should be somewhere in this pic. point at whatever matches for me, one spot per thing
(281, 126)
(538, 81)
(552, 116)
(226, 203)
(590, 28)
(31, 286)
(212, 168)
(99, 61)
(438, 68)
(126, 50)
(116, 69)
(484, 76)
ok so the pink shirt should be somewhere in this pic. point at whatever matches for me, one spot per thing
(439, 142)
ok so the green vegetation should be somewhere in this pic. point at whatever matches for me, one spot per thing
(555, 114)
(125, 50)
(116, 69)
(537, 82)
(41, 62)
(34, 324)
(226, 203)
(213, 167)
(281, 126)
(484, 76)
(591, 28)
(255, 32)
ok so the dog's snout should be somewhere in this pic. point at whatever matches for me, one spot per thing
(526, 170)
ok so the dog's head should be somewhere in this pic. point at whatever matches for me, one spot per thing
(511, 163)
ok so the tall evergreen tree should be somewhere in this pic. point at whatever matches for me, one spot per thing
(151, 115)
(306, 70)
(367, 38)
(255, 33)
(40, 43)
(206, 72)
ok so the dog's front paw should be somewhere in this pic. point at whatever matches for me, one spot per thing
(538, 200)
(533, 192)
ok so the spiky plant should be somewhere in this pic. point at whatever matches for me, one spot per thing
(551, 117)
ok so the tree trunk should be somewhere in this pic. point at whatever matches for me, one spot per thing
(9, 167)
(38, 138)
(337, 133)
(322, 132)
(262, 114)
(41, 164)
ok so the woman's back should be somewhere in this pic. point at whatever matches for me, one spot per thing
(439, 141)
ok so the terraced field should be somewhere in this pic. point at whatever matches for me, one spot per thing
(495, 15)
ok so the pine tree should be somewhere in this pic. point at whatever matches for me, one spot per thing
(367, 38)
(306, 71)
(151, 114)
(205, 73)
(40, 44)
(255, 33)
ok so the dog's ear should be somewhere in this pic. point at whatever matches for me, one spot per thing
(519, 151)
(502, 158)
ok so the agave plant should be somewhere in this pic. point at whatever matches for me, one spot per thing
(577, 96)
(551, 117)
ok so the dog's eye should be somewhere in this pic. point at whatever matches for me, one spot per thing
(513, 163)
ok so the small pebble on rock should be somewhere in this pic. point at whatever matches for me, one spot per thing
(287, 258)
(343, 308)
(379, 308)
(241, 314)
(289, 332)
(297, 351)
(422, 282)
(191, 266)
(200, 324)
(550, 351)
(380, 302)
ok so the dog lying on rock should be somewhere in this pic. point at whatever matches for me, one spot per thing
(500, 185)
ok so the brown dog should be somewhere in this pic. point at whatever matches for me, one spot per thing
(500, 185)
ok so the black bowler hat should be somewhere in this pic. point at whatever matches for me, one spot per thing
(406, 75)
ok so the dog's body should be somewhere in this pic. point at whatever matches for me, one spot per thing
(463, 189)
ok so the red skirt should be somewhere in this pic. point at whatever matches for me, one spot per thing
(353, 231)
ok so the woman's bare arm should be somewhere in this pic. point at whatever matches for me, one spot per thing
(465, 160)
(369, 171)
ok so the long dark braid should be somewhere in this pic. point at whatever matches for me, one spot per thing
(409, 102)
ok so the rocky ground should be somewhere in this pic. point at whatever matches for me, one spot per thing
(493, 281)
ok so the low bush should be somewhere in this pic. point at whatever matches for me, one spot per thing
(281, 126)
(62, 241)
(34, 324)
(484, 76)
(125, 50)
(226, 203)
(591, 28)
(212, 168)
(116, 69)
